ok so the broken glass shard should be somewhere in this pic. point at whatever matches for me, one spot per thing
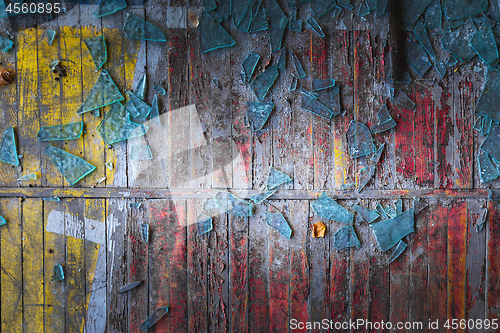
(331, 99)
(264, 81)
(276, 178)
(233, 205)
(60, 132)
(51, 34)
(298, 67)
(322, 84)
(386, 122)
(486, 126)
(216, 83)
(419, 206)
(319, 230)
(293, 84)
(278, 222)
(241, 12)
(417, 58)
(108, 7)
(481, 221)
(137, 28)
(5, 44)
(72, 167)
(363, 9)
(345, 4)
(210, 205)
(209, 5)
(277, 24)
(29, 176)
(159, 89)
(8, 151)
(457, 9)
(452, 61)
(141, 87)
(315, 26)
(224, 9)
(212, 35)
(411, 10)
(359, 219)
(97, 49)
(321, 8)
(367, 214)
(129, 286)
(135, 205)
(109, 165)
(58, 274)
(478, 124)
(2, 221)
(116, 126)
(258, 113)
(364, 176)
(347, 186)
(145, 232)
(484, 43)
(399, 207)
(131, 109)
(296, 25)
(381, 211)
(389, 232)
(260, 22)
(249, 65)
(372, 4)
(359, 139)
(311, 94)
(204, 224)
(154, 115)
(491, 145)
(281, 64)
(258, 198)
(376, 157)
(441, 68)
(345, 238)
(142, 107)
(140, 153)
(154, 318)
(487, 170)
(402, 99)
(381, 7)
(328, 208)
(434, 14)
(457, 42)
(314, 105)
(397, 251)
(104, 92)
(53, 65)
(95, 113)
(422, 36)
(490, 96)
(55, 199)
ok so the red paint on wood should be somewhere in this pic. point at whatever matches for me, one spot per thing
(444, 131)
(299, 285)
(493, 264)
(465, 140)
(424, 142)
(379, 291)
(238, 277)
(360, 276)
(339, 286)
(279, 280)
(405, 151)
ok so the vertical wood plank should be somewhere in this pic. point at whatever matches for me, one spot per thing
(464, 136)
(424, 144)
(239, 273)
(443, 132)
(404, 146)
(492, 264)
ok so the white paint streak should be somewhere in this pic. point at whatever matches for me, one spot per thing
(71, 225)
(96, 313)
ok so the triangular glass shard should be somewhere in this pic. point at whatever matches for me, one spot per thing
(51, 34)
(109, 165)
(364, 176)
(402, 99)
(314, 105)
(434, 14)
(386, 122)
(209, 5)
(212, 35)
(390, 211)
(411, 10)
(376, 157)
(328, 208)
(486, 126)
(281, 64)
(154, 318)
(441, 68)
(210, 204)
(481, 221)
(5, 44)
(204, 224)
(322, 84)
(311, 94)
(345, 4)
(367, 214)
(276, 178)
(345, 238)
(131, 109)
(487, 170)
(422, 36)
(249, 65)
(484, 43)
(116, 126)
(298, 67)
(293, 84)
(381, 211)
(69, 131)
(389, 232)
(135, 205)
(258, 198)
(137, 28)
(224, 9)
(490, 96)
(258, 113)
(491, 145)
(277, 24)
(360, 140)
(142, 107)
(315, 26)
(264, 81)
(97, 49)
(72, 167)
(104, 92)
(478, 124)
(259, 23)
(159, 89)
(278, 222)
(8, 150)
(243, 16)
(458, 9)
(2, 221)
(129, 286)
(141, 87)
(296, 25)
(363, 9)
(381, 7)
(331, 99)
(399, 206)
(58, 274)
(457, 42)
(154, 115)
(29, 176)
(372, 4)
(233, 205)
(140, 153)
(55, 199)
(53, 64)
(145, 232)
(108, 7)
(397, 251)
(321, 8)
(417, 58)
(419, 206)
(452, 61)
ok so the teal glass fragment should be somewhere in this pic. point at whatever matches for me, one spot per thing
(140, 153)
(259, 198)
(478, 124)
(457, 42)
(278, 222)
(116, 126)
(331, 99)
(233, 205)
(389, 232)
(154, 318)
(145, 232)
(368, 215)
(58, 274)
(328, 208)
(296, 25)
(363, 9)
(129, 286)
(72, 167)
(484, 43)
(216, 83)
(212, 35)
(345, 238)
(53, 64)
(381, 7)
(108, 7)
(293, 84)
(281, 64)
(487, 170)
(97, 49)
(135, 205)
(51, 34)
(293, 12)
(311, 94)
(399, 207)
(209, 5)
(8, 150)
(490, 96)
(276, 178)
(481, 221)
(245, 20)
(315, 26)
(104, 92)
(402, 99)
(411, 10)
(2, 221)
(298, 67)
(385, 121)
(224, 9)
(154, 115)
(314, 105)
(347, 186)
(55, 199)
(131, 109)
(397, 251)
(264, 81)
(440, 68)
(204, 224)
(390, 211)
(258, 113)
(491, 144)
(345, 4)
(159, 89)
(359, 140)
(486, 126)
(249, 65)
(381, 211)
(210, 204)
(434, 14)
(259, 23)
(242, 9)
(277, 24)
(452, 61)
(422, 36)
(376, 157)
(419, 206)
(458, 9)
(141, 87)
(5, 44)
(109, 165)
(137, 28)
(321, 8)
(69, 131)
(372, 4)
(417, 58)
(322, 84)
(29, 176)
(364, 176)
(95, 113)
(142, 107)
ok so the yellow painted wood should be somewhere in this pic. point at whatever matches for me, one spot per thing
(11, 274)
(33, 274)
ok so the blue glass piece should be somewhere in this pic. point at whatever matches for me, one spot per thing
(8, 150)
(142, 107)
(259, 198)
(364, 176)
(135, 205)
(293, 84)
(2, 221)
(97, 49)
(129, 286)
(69, 131)
(131, 109)
(204, 224)
(145, 232)
(457, 42)
(381, 211)
(484, 43)
(260, 21)
(140, 90)
(314, 105)
(487, 170)
(381, 7)
(390, 211)
(331, 99)
(109, 165)
(389, 232)
(104, 92)
(404, 77)
(419, 206)
(399, 207)
(96, 113)
(360, 140)
(212, 35)
(278, 222)
(281, 64)
(367, 214)
(486, 126)
(277, 24)
(137, 28)
(296, 25)
(140, 153)
(481, 221)
(402, 99)
(154, 318)
(322, 84)
(239, 9)
(258, 113)
(55, 199)
(154, 115)
(363, 9)
(411, 10)
(249, 65)
(376, 157)
(116, 126)
(51, 34)
(29, 176)
(434, 14)
(345, 4)
(264, 81)
(321, 8)
(298, 67)
(490, 96)
(315, 26)
(159, 89)
(345, 238)
(209, 5)
(397, 251)
(386, 122)
(452, 61)
(311, 94)
(245, 20)
(216, 83)
(458, 9)
(5, 44)
(276, 178)
(328, 208)
(422, 36)
(72, 167)
(440, 68)
(224, 9)
(58, 274)
(233, 205)
(210, 204)
(53, 64)
(417, 58)
(372, 4)
(478, 124)
(108, 7)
